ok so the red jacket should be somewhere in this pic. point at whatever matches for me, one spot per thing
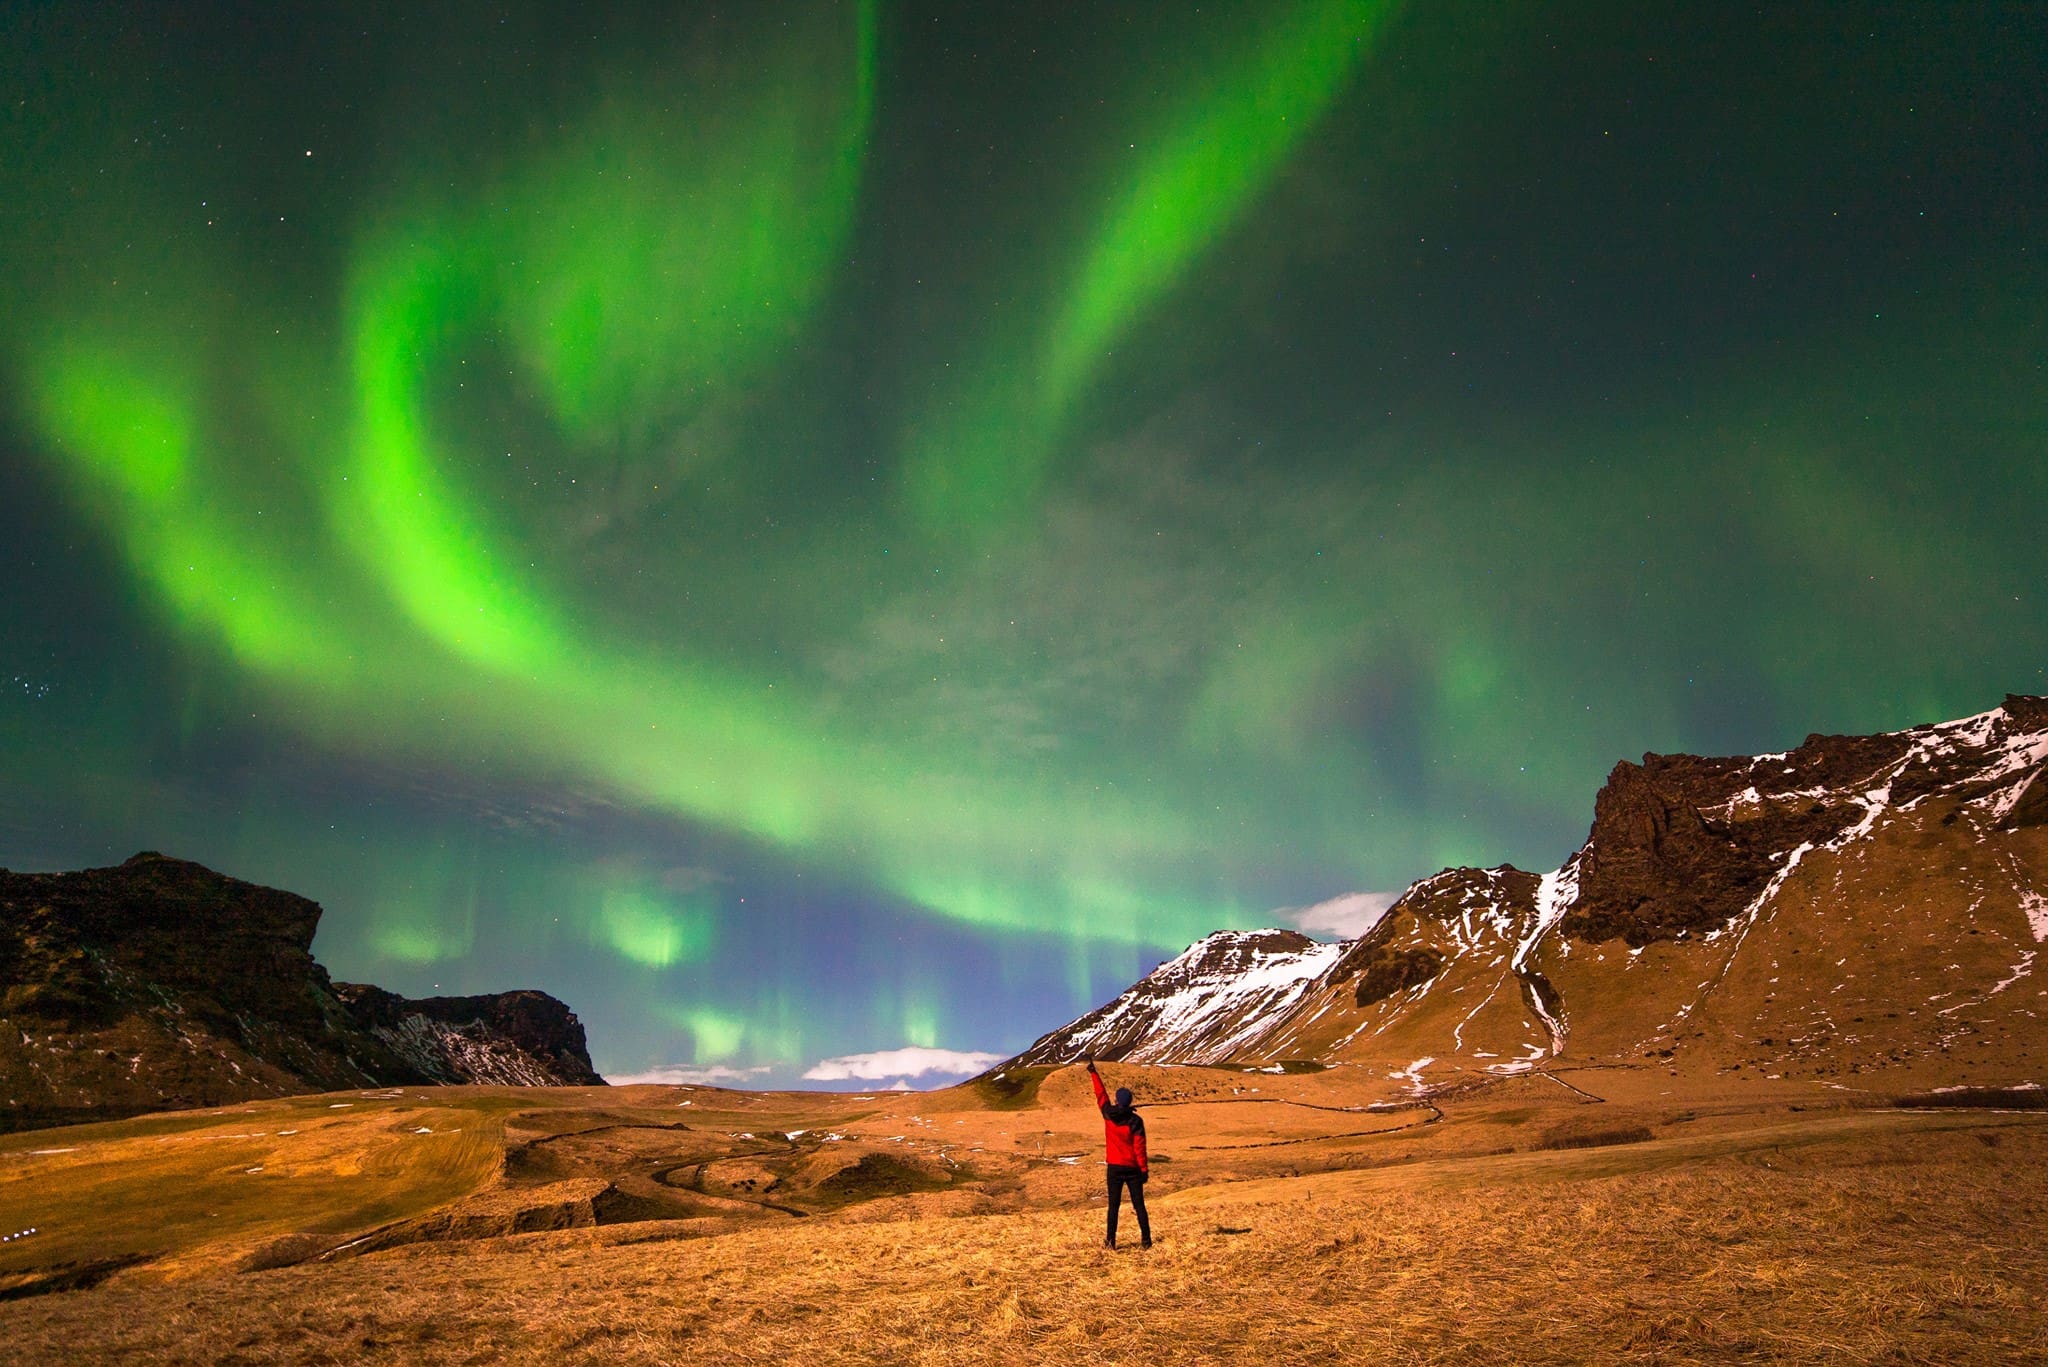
(1124, 1141)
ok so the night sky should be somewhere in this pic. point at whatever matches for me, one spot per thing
(807, 530)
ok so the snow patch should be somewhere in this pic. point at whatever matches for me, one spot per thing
(2036, 908)
(1413, 1072)
(2019, 970)
(1554, 897)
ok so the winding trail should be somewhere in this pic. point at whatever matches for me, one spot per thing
(1432, 1118)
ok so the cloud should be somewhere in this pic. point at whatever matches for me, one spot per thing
(687, 1075)
(908, 1062)
(1344, 918)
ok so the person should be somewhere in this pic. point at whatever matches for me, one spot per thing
(1123, 1135)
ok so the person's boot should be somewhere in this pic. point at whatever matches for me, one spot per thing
(1145, 1242)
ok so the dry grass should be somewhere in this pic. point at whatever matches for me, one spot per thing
(1872, 1237)
(192, 1192)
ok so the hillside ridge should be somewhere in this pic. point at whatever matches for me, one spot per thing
(1721, 913)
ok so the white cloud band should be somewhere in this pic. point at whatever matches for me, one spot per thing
(1345, 918)
(911, 1061)
(685, 1075)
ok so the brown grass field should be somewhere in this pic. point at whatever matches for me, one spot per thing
(1600, 1216)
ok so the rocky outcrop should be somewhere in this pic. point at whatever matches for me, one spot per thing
(160, 984)
(1657, 865)
(76, 947)
(523, 1038)
(1388, 970)
(1683, 845)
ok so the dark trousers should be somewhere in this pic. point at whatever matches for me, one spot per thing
(1119, 1178)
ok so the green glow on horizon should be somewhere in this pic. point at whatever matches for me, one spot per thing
(715, 1035)
(651, 931)
(921, 1024)
(409, 942)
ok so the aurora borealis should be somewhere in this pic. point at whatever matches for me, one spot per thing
(828, 528)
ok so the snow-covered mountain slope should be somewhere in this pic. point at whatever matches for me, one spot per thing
(1201, 1007)
(1858, 903)
(1449, 967)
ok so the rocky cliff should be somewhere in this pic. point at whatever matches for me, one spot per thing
(160, 984)
(523, 1039)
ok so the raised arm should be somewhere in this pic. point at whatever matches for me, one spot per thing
(1101, 1097)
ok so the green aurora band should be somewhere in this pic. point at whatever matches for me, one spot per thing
(1209, 156)
(710, 239)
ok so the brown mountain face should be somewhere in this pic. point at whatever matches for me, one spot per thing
(161, 984)
(1860, 903)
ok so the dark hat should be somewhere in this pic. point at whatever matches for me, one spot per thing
(1123, 1098)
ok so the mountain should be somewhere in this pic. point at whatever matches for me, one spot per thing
(513, 1039)
(1860, 903)
(160, 984)
(1208, 1003)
